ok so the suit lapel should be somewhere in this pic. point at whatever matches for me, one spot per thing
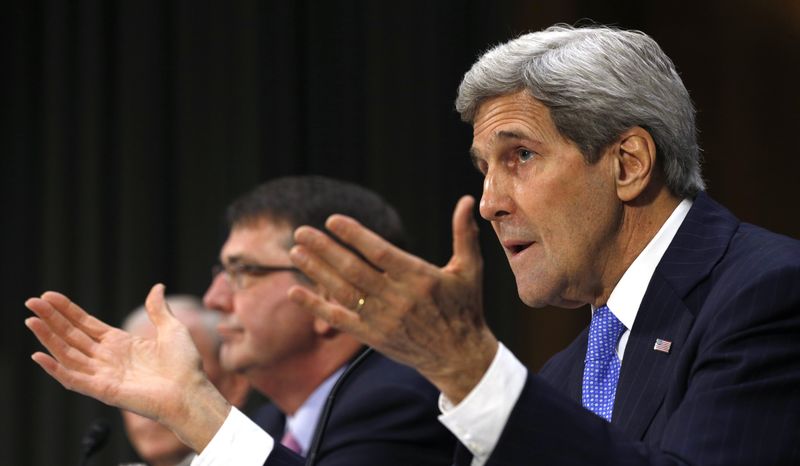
(645, 373)
(667, 312)
(269, 418)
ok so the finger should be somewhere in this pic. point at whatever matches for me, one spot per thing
(157, 309)
(331, 265)
(58, 324)
(46, 362)
(379, 252)
(336, 315)
(52, 367)
(58, 348)
(321, 273)
(68, 378)
(90, 325)
(466, 248)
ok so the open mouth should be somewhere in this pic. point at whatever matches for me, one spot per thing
(516, 248)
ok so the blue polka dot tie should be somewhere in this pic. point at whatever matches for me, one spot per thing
(601, 369)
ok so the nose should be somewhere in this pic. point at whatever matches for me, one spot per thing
(495, 201)
(219, 295)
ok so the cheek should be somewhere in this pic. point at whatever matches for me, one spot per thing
(255, 310)
(212, 368)
(269, 318)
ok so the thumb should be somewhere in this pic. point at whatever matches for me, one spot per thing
(157, 309)
(466, 250)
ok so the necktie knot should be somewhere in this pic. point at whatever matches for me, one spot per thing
(601, 370)
(604, 333)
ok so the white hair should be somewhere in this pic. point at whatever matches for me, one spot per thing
(187, 309)
(597, 82)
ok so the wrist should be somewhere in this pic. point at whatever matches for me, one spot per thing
(200, 413)
(458, 378)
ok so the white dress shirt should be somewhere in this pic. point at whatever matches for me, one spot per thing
(242, 442)
(480, 418)
(239, 441)
(303, 422)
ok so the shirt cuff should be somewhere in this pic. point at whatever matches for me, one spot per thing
(480, 418)
(239, 441)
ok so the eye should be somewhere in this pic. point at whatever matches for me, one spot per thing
(524, 155)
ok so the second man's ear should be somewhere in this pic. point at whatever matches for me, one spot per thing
(323, 328)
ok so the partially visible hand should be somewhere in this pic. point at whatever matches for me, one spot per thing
(427, 317)
(158, 378)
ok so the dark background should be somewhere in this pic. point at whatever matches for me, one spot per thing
(128, 125)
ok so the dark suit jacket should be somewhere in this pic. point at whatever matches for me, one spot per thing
(727, 295)
(385, 414)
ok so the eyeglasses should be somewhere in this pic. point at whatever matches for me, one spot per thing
(236, 274)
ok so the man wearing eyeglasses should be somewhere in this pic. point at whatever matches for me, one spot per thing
(386, 414)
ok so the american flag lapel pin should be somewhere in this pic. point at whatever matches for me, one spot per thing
(662, 345)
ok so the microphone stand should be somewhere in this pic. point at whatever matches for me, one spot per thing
(319, 432)
(93, 440)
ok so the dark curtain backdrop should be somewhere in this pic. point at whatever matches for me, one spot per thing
(128, 126)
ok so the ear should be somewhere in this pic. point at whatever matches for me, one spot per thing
(635, 163)
(322, 327)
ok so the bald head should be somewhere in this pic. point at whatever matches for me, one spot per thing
(188, 309)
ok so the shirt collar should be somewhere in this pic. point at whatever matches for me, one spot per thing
(303, 422)
(628, 294)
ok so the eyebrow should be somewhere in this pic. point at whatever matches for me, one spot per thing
(473, 156)
(234, 259)
(509, 135)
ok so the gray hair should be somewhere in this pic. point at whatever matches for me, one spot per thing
(188, 309)
(597, 82)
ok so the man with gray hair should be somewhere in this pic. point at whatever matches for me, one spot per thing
(586, 140)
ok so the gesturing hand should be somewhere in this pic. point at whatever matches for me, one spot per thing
(427, 317)
(158, 378)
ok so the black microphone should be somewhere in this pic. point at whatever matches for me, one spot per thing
(319, 432)
(94, 439)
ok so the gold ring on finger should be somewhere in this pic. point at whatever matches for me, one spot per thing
(360, 303)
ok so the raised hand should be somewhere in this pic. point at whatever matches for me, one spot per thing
(427, 317)
(158, 378)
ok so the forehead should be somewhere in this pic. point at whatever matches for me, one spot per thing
(513, 114)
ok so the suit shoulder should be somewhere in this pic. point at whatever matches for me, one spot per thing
(757, 241)
(755, 254)
(755, 285)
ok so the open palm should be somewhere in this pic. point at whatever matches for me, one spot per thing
(145, 376)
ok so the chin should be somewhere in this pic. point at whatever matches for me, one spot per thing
(228, 359)
(533, 294)
(533, 300)
(230, 365)
(538, 290)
